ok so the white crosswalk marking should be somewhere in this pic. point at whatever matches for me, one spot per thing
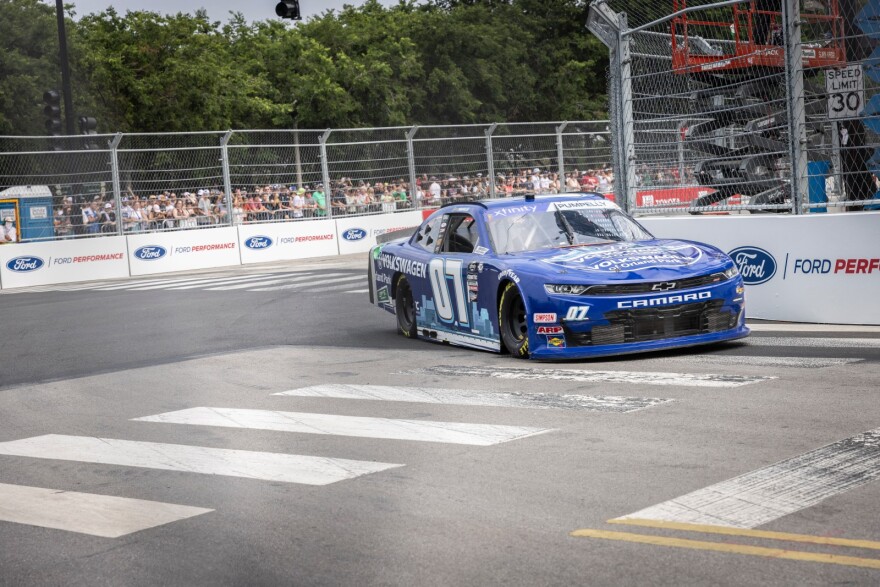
(308, 423)
(289, 279)
(635, 377)
(323, 284)
(466, 397)
(230, 280)
(267, 466)
(87, 513)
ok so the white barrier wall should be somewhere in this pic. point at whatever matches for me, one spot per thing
(183, 250)
(822, 268)
(64, 261)
(287, 240)
(358, 234)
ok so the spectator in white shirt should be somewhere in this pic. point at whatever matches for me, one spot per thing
(7, 231)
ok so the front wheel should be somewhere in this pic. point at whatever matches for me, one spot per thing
(513, 323)
(405, 308)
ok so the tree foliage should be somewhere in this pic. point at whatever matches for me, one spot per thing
(440, 62)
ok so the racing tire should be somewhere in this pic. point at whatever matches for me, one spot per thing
(513, 322)
(405, 309)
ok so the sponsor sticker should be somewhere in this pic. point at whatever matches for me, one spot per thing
(549, 329)
(24, 264)
(508, 274)
(383, 296)
(480, 250)
(755, 265)
(547, 317)
(556, 342)
(625, 257)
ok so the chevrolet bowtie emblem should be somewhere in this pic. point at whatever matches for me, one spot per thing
(664, 286)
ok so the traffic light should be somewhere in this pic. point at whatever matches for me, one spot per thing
(88, 125)
(52, 110)
(289, 9)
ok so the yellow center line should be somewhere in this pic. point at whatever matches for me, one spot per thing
(777, 553)
(727, 531)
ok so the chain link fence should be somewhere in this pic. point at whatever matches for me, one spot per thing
(761, 105)
(124, 183)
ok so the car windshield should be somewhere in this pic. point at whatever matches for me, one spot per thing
(558, 227)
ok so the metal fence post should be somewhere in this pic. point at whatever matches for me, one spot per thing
(325, 172)
(627, 151)
(490, 159)
(227, 181)
(114, 175)
(411, 160)
(560, 154)
(794, 86)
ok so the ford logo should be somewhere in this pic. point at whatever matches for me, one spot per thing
(258, 242)
(354, 234)
(754, 264)
(24, 264)
(150, 253)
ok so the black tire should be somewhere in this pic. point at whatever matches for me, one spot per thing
(405, 309)
(513, 322)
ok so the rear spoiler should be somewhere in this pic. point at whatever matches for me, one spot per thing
(396, 234)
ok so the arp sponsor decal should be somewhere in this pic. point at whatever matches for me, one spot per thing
(556, 342)
(508, 274)
(25, 264)
(546, 317)
(755, 265)
(258, 242)
(150, 253)
(354, 234)
(625, 257)
(408, 266)
(549, 330)
(665, 300)
(826, 266)
(577, 313)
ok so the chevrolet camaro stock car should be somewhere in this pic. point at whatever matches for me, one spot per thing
(552, 277)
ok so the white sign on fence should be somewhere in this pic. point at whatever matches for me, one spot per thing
(789, 273)
(358, 234)
(63, 261)
(846, 91)
(287, 240)
(183, 250)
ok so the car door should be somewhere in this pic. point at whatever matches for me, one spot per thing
(453, 286)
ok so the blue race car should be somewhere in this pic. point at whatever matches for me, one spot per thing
(551, 277)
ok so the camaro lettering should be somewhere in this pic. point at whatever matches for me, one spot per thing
(407, 266)
(665, 301)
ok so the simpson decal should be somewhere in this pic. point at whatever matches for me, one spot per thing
(544, 318)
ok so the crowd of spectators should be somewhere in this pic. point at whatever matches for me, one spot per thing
(97, 214)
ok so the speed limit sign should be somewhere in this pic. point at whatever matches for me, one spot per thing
(846, 91)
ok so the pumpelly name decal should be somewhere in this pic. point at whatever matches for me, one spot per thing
(258, 242)
(24, 264)
(755, 265)
(150, 253)
(354, 234)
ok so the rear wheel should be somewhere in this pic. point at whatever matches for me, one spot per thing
(405, 308)
(513, 323)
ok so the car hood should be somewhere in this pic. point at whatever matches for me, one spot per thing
(652, 260)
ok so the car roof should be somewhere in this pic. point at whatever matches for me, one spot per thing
(520, 200)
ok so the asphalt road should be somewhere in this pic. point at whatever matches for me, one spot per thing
(107, 393)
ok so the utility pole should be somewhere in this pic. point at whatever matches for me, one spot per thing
(65, 68)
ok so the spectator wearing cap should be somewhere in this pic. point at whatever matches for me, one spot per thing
(298, 203)
(7, 231)
(205, 208)
(91, 218)
(108, 218)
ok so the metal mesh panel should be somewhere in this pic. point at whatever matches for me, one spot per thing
(455, 158)
(720, 110)
(587, 153)
(76, 171)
